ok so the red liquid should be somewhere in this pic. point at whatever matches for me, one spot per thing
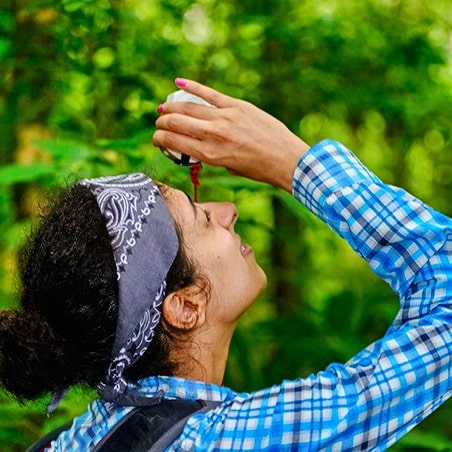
(195, 168)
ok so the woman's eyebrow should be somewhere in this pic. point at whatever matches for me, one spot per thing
(195, 210)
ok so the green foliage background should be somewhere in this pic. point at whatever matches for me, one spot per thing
(79, 87)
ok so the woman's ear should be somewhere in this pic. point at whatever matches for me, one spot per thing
(185, 308)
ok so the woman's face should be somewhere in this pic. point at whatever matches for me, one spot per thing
(210, 240)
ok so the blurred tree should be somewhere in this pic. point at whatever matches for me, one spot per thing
(79, 86)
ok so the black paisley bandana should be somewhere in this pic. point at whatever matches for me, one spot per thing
(145, 243)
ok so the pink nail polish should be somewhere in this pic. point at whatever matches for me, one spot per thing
(160, 109)
(181, 82)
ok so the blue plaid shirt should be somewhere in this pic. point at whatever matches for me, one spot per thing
(386, 389)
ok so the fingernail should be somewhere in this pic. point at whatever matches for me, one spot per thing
(181, 82)
(160, 109)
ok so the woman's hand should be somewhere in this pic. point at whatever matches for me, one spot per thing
(236, 135)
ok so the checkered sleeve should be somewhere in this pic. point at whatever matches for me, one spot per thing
(392, 385)
(396, 382)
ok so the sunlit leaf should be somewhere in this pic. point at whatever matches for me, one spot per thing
(15, 173)
(66, 150)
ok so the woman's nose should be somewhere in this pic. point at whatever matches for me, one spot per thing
(225, 213)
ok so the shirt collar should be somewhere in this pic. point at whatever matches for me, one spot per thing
(180, 388)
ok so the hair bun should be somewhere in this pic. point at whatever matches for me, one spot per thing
(28, 349)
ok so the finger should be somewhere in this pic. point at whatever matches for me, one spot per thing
(181, 143)
(211, 95)
(232, 172)
(174, 141)
(188, 109)
(183, 125)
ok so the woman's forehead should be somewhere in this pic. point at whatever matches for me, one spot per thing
(179, 203)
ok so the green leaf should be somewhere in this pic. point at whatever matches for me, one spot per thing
(5, 45)
(7, 20)
(422, 441)
(73, 5)
(126, 143)
(15, 173)
(66, 150)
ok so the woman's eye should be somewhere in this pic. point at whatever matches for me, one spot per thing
(207, 213)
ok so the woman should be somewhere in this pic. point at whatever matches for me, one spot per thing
(157, 284)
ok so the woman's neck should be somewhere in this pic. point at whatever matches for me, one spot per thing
(205, 360)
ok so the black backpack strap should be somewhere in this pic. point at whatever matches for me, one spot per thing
(174, 432)
(152, 429)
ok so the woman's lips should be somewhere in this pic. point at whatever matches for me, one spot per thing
(246, 249)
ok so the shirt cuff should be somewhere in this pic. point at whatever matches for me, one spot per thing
(328, 166)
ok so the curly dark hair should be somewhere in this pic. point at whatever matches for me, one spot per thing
(64, 332)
